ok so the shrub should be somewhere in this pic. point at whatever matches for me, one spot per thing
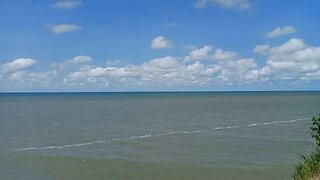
(310, 166)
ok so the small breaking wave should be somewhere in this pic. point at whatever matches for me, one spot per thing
(154, 135)
(59, 147)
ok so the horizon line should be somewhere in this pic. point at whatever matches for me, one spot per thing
(167, 91)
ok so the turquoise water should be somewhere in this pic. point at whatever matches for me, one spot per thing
(200, 135)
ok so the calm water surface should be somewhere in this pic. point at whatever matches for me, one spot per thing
(231, 135)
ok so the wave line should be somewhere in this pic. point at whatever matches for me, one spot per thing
(154, 135)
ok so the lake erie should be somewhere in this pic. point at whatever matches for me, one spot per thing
(155, 135)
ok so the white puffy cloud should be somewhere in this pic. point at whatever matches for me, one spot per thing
(311, 76)
(220, 54)
(292, 45)
(88, 73)
(17, 65)
(236, 72)
(81, 59)
(166, 71)
(163, 63)
(226, 4)
(293, 60)
(63, 28)
(77, 60)
(262, 49)
(17, 75)
(67, 4)
(160, 42)
(280, 31)
(208, 53)
(203, 53)
(23, 79)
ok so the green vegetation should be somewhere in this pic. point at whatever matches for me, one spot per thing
(309, 168)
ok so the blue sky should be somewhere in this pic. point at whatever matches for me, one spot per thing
(133, 45)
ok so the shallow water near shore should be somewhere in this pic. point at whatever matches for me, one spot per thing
(199, 135)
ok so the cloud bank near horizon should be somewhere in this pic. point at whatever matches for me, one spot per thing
(293, 62)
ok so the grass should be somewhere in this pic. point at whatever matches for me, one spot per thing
(309, 168)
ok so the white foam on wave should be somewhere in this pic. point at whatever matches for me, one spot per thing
(59, 147)
(154, 135)
(140, 137)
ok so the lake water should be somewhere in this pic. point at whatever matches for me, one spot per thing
(199, 135)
